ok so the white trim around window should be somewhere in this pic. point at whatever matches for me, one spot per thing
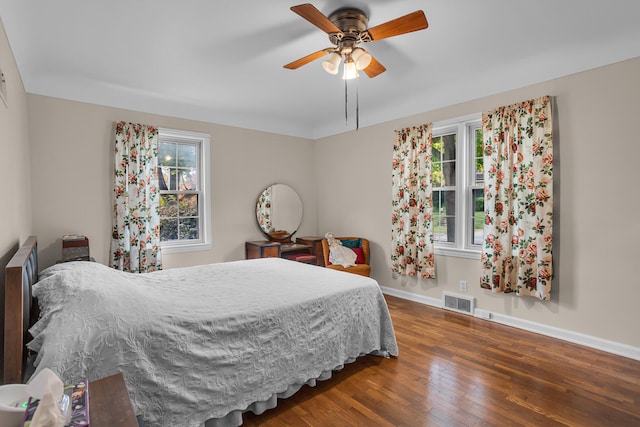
(465, 128)
(203, 141)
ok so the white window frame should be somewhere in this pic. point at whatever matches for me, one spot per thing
(465, 128)
(203, 141)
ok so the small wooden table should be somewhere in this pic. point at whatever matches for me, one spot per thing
(316, 247)
(109, 403)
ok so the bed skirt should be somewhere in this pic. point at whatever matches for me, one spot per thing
(234, 418)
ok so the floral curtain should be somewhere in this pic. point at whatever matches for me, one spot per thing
(135, 241)
(518, 161)
(412, 227)
(263, 210)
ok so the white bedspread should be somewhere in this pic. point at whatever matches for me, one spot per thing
(200, 342)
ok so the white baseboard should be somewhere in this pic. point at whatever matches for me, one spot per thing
(550, 331)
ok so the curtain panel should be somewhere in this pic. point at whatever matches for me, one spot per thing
(518, 161)
(412, 205)
(135, 242)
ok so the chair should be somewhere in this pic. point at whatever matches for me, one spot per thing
(361, 269)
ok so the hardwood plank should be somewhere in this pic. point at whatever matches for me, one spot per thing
(456, 370)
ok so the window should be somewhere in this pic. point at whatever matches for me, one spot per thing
(458, 186)
(183, 177)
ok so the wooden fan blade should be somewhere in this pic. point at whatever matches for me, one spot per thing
(305, 60)
(313, 15)
(405, 24)
(374, 68)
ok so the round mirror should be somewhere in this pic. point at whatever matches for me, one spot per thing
(279, 212)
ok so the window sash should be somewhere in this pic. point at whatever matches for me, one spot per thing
(471, 218)
(473, 183)
(465, 128)
(202, 143)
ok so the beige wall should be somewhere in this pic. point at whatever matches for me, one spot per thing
(72, 164)
(15, 211)
(596, 289)
(15, 208)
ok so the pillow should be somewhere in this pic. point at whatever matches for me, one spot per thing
(357, 243)
(359, 255)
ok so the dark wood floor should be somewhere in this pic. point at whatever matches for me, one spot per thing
(456, 370)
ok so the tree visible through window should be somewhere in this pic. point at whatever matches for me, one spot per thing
(181, 179)
(477, 188)
(443, 177)
(458, 184)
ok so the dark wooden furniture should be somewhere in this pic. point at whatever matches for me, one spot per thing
(289, 250)
(316, 247)
(267, 249)
(261, 249)
(109, 403)
(20, 273)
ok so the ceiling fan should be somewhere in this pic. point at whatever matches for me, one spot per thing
(347, 28)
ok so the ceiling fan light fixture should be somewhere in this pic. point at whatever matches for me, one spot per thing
(332, 64)
(349, 26)
(350, 70)
(361, 57)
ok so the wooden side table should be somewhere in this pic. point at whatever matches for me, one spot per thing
(316, 247)
(109, 403)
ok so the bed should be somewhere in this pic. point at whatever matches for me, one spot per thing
(197, 345)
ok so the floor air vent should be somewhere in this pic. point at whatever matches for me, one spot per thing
(458, 303)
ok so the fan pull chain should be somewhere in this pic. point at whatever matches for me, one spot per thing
(346, 104)
(357, 107)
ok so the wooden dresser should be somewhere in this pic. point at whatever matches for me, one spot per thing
(261, 249)
(267, 249)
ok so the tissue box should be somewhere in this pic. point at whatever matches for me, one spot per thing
(78, 394)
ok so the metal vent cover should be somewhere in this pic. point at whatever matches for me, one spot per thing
(459, 303)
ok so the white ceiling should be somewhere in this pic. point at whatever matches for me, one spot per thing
(222, 62)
